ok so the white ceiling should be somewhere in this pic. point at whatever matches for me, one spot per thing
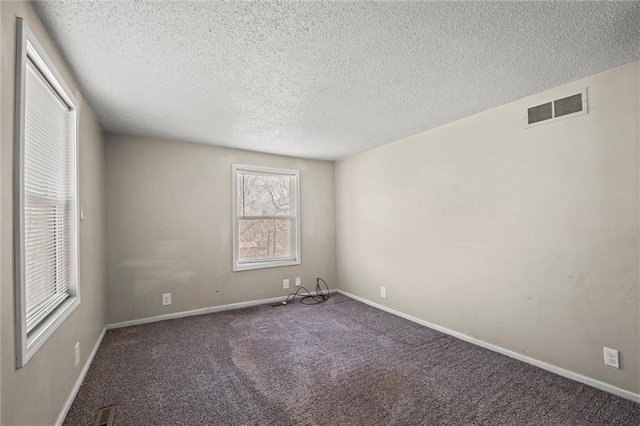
(325, 80)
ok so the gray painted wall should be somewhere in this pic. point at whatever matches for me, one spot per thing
(35, 394)
(169, 227)
(523, 238)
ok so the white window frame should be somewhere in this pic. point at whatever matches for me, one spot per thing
(27, 343)
(295, 216)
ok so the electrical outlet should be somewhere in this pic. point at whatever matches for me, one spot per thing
(77, 352)
(166, 299)
(298, 281)
(383, 292)
(285, 283)
(611, 357)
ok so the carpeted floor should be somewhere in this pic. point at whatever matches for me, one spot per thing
(339, 363)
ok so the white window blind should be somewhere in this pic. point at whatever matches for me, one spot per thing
(49, 198)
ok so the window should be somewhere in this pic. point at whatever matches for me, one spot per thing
(45, 202)
(266, 217)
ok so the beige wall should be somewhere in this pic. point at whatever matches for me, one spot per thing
(169, 227)
(523, 238)
(35, 394)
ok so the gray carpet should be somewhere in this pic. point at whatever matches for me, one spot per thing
(339, 363)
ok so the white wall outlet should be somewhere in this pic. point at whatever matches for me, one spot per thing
(383, 292)
(285, 283)
(166, 299)
(611, 357)
(298, 281)
(77, 352)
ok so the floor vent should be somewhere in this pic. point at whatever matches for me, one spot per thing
(105, 416)
(564, 107)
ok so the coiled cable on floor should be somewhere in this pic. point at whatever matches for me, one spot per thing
(321, 295)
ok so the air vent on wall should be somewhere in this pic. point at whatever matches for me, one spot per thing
(564, 107)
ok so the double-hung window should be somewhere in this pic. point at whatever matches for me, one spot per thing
(46, 219)
(266, 217)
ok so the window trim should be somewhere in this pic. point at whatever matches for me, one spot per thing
(28, 48)
(270, 263)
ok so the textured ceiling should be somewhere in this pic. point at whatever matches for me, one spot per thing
(325, 80)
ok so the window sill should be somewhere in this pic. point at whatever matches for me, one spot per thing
(48, 326)
(264, 265)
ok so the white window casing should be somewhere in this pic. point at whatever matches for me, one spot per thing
(265, 201)
(46, 219)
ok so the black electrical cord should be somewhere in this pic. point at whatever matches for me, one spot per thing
(321, 295)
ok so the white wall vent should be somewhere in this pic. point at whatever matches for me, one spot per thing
(564, 107)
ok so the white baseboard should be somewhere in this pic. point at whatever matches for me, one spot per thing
(76, 387)
(201, 311)
(520, 357)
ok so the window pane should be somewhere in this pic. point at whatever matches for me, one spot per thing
(262, 239)
(263, 194)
